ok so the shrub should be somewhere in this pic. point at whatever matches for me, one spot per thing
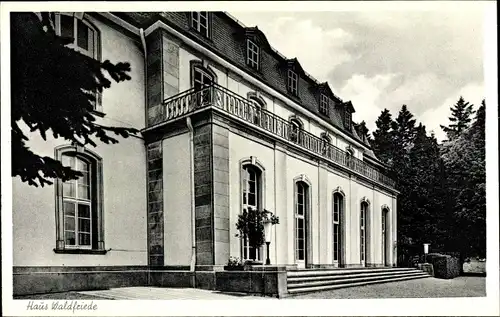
(445, 266)
(233, 261)
(251, 225)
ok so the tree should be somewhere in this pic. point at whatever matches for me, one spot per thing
(428, 218)
(54, 90)
(461, 116)
(464, 159)
(250, 225)
(363, 131)
(382, 137)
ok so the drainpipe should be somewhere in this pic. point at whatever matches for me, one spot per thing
(143, 41)
(193, 219)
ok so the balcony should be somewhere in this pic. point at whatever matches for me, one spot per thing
(231, 104)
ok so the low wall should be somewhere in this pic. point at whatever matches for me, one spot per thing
(39, 280)
(267, 280)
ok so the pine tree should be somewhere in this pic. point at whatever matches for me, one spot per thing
(382, 137)
(426, 193)
(461, 117)
(54, 91)
(403, 133)
(464, 159)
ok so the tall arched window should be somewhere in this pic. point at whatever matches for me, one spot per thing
(79, 221)
(301, 208)
(362, 232)
(385, 239)
(338, 205)
(251, 198)
(77, 199)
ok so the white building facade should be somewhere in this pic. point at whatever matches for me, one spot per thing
(227, 123)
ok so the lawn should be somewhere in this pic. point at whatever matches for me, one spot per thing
(462, 286)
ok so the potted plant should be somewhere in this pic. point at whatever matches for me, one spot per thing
(233, 264)
(250, 225)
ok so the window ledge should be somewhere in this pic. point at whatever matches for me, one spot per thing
(79, 251)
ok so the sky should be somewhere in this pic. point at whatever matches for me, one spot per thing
(384, 59)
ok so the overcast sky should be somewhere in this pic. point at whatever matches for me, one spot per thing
(425, 60)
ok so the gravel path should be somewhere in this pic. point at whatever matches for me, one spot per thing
(462, 286)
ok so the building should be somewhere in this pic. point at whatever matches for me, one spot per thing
(226, 123)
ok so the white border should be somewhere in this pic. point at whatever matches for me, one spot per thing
(455, 306)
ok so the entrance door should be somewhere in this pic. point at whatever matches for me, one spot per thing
(338, 204)
(362, 232)
(301, 205)
(385, 253)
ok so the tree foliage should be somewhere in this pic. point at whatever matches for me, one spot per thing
(442, 186)
(461, 117)
(54, 91)
(250, 225)
(382, 137)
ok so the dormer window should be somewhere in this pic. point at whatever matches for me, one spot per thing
(253, 51)
(347, 119)
(324, 104)
(293, 82)
(199, 22)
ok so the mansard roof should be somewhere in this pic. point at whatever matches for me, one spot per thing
(258, 36)
(324, 88)
(227, 42)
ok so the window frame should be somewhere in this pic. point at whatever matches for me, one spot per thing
(338, 208)
(253, 50)
(324, 104)
(293, 82)
(303, 217)
(347, 119)
(76, 201)
(252, 165)
(363, 229)
(295, 134)
(197, 25)
(98, 109)
(208, 95)
(95, 201)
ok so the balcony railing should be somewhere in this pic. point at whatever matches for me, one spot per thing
(229, 102)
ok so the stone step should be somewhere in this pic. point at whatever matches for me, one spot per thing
(322, 272)
(297, 279)
(352, 280)
(337, 286)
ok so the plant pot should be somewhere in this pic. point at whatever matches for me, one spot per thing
(233, 268)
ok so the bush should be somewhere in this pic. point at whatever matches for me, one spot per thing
(445, 266)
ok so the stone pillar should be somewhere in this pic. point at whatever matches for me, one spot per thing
(162, 74)
(220, 159)
(156, 255)
(204, 232)
(211, 180)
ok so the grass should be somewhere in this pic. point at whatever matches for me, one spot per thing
(462, 286)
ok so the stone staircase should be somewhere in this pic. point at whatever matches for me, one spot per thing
(313, 280)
